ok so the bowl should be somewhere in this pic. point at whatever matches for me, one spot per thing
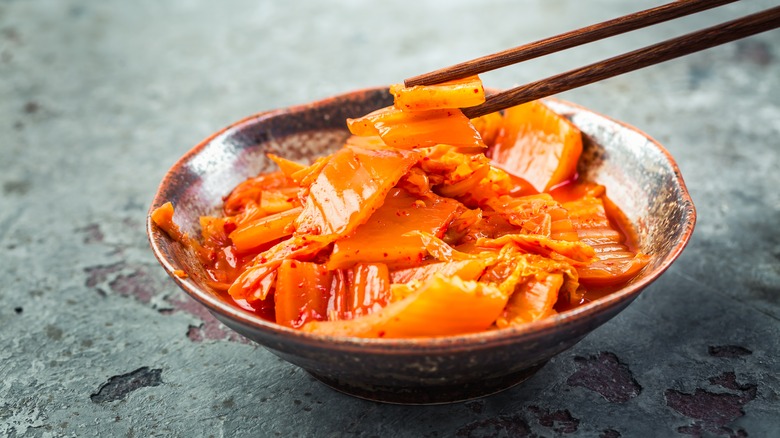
(641, 178)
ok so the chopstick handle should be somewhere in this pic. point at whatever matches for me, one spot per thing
(635, 60)
(567, 40)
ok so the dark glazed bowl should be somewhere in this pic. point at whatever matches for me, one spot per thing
(640, 176)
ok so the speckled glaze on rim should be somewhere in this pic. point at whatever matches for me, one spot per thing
(641, 178)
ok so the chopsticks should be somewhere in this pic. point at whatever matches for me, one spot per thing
(637, 59)
(567, 40)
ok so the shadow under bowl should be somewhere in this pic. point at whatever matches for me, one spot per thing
(641, 178)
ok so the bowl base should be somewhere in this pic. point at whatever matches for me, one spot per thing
(430, 395)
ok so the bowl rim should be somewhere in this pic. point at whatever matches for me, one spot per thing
(507, 335)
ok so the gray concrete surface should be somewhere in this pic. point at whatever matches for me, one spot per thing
(98, 99)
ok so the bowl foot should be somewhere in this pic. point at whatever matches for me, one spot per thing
(430, 395)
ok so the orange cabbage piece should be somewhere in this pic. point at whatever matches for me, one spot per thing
(418, 129)
(350, 187)
(470, 306)
(538, 145)
(459, 93)
(383, 238)
(615, 263)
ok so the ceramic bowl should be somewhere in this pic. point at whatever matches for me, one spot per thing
(641, 178)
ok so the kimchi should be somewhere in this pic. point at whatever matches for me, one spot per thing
(424, 223)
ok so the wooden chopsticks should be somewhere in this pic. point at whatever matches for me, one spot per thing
(567, 40)
(637, 59)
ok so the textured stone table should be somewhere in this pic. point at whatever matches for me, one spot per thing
(98, 99)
